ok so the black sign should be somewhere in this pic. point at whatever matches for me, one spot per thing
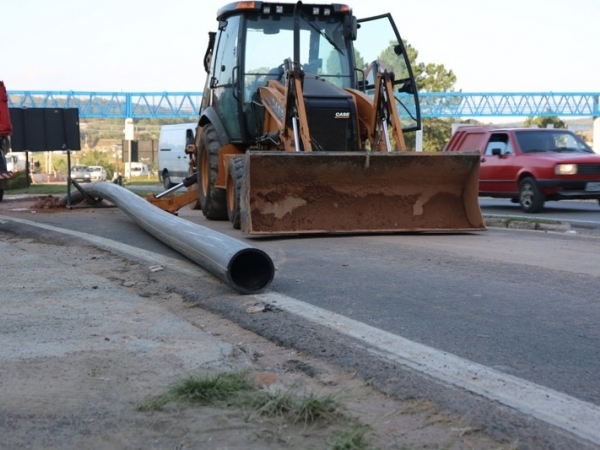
(45, 129)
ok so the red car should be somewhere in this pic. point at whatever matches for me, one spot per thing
(531, 165)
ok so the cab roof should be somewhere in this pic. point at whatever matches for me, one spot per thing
(281, 8)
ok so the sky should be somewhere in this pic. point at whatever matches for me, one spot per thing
(154, 46)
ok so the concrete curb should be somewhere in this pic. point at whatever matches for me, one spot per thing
(517, 224)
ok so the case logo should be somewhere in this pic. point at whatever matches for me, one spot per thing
(342, 115)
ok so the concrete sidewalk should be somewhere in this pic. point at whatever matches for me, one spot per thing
(79, 350)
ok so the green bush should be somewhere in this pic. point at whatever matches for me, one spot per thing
(19, 181)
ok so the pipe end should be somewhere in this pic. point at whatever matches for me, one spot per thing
(250, 271)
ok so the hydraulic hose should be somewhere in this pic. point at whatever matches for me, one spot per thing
(246, 269)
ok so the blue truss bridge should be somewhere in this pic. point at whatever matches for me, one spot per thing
(169, 105)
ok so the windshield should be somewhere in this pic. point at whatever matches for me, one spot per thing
(322, 49)
(532, 141)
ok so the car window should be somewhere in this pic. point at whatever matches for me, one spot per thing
(495, 145)
(499, 141)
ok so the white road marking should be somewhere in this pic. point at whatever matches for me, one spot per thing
(561, 410)
(550, 406)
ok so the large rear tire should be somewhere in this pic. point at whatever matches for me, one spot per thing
(235, 176)
(212, 199)
(531, 197)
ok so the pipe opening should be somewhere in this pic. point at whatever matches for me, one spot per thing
(251, 270)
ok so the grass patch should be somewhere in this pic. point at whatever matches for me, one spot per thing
(350, 439)
(311, 408)
(222, 388)
(235, 389)
(325, 416)
(208, 391)
(40, 189)
(61, 189)
(271, 404)
(144, 181)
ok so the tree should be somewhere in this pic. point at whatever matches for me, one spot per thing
(429, 77)
(432, 77)
(95, 158)
(543, 122)
(333, 62)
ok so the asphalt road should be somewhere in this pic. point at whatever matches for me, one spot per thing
(523, 303)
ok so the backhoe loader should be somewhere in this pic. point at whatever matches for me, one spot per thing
(302, 124)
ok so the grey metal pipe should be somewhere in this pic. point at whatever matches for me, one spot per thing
(246, 269)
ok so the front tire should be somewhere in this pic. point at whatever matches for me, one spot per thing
(531, 198)
(167, 180)
(235, 176)
(212, 199)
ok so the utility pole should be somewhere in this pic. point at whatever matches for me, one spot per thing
(596, 127)
(129, 132)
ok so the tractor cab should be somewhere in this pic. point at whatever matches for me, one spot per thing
(259, 41)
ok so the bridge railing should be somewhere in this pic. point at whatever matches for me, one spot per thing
(162, 105)
(545, 104)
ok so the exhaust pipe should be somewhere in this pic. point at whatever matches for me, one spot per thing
(246, 269)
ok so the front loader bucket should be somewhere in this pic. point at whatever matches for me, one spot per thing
(359, 192)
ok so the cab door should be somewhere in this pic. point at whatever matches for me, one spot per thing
(378, 41)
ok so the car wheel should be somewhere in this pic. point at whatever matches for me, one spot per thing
(531, 198)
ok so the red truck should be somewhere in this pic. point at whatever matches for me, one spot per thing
(531, 165)
(5, 132)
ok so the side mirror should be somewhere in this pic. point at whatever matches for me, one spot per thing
(350, 28)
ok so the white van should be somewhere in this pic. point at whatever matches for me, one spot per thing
(16, 162)
(173, 162)
(137, 169)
